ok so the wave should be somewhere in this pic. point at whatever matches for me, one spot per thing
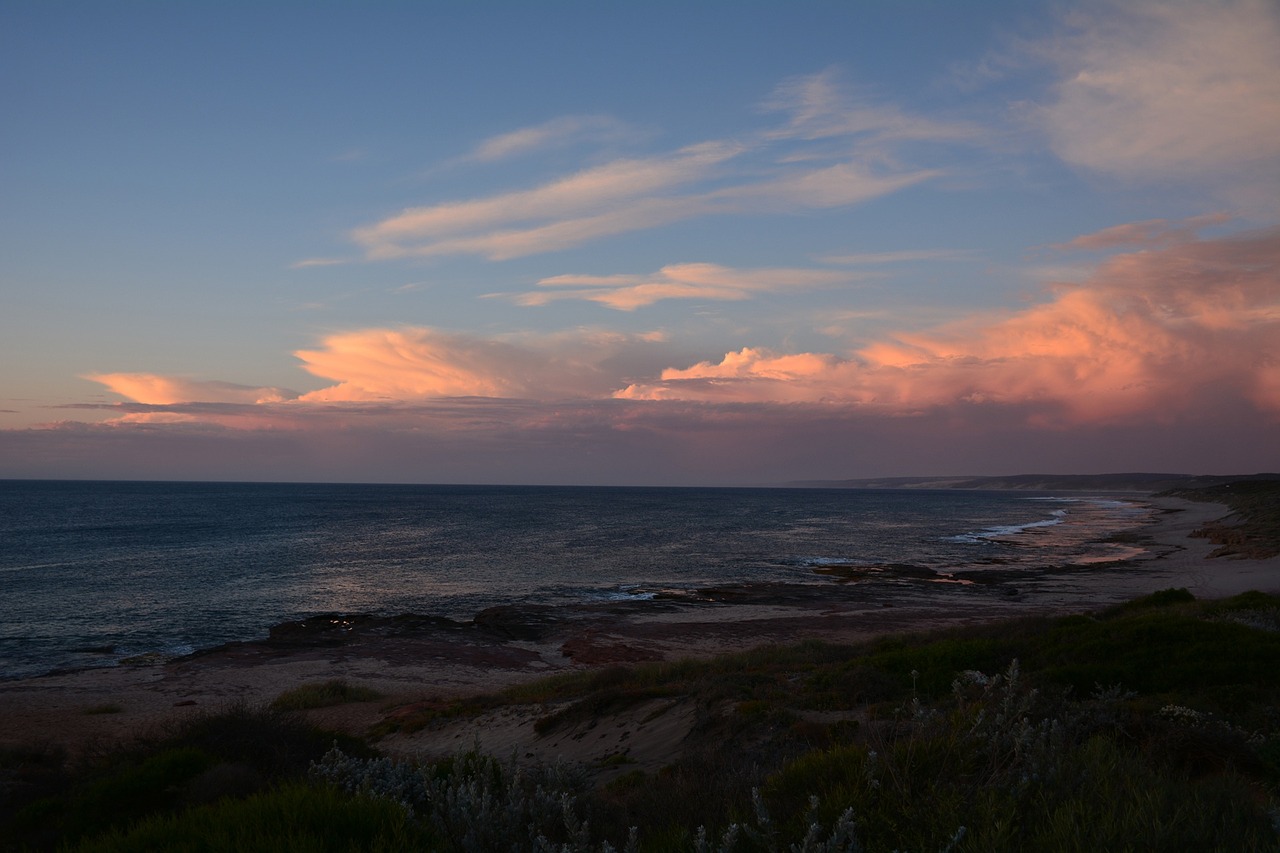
(1003, 532)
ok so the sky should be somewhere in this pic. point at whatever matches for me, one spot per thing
(660, 243)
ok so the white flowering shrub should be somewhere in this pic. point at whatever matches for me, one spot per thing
(473, 803)
(476, 804)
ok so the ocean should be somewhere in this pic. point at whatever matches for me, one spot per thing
(93, 573)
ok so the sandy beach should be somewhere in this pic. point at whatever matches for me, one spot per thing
(424, 660)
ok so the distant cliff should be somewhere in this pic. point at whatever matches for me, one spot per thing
(1132, 482)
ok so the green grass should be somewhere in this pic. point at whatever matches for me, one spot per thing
(323, 694)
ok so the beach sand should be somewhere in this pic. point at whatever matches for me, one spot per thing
(91, 709)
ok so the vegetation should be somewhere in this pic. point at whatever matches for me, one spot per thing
(323, 694)
(1154, 725)
(1255, 530)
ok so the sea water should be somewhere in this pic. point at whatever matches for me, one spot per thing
(92, 573)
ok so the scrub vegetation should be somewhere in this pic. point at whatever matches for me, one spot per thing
(323, 694)
(1153, 725)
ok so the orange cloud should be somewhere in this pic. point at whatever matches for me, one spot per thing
(420, 364)
(165, 390)
(1148, 335)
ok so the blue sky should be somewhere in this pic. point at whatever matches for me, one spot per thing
(634, 243)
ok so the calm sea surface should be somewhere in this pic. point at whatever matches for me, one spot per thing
(93, 572)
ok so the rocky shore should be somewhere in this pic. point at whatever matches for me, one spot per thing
(414, 658)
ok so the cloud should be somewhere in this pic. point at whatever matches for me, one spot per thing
(413, 364)
(155, 389)
(820, 107)
(1156, 91)
(1151, 233)
(558, 132)
(815, 188)
(903, 257)
(1164, 357)
(1149, 336)
(425, 230)
(679, 281)
(768, 172)
(317, 262)
(616, 199)
(622, 442)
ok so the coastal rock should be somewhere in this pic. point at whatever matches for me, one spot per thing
(590, 647)
(323, 629)
(513, 622)
(333, 629)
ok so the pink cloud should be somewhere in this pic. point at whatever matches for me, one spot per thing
(410, 364)
(163, 390)
(1163, 358)
(1147, 337)
(1152, 233)
(624, 442)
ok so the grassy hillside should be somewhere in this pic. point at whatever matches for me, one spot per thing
(1150, 726)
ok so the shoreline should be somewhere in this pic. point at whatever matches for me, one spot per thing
(416, 659)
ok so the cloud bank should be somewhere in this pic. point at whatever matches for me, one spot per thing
(1147, 337)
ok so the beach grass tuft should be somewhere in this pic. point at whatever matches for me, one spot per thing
(323, 694)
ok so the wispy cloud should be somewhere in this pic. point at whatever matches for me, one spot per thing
(617, 195)
(317, 262)
(779, 170)
(859, 259)
(679, 281)
(821, 106)
(556, 133)
(1151, 233)
(1183, 92)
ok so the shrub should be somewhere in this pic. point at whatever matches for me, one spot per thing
(472, 802)
(323, 694)
(295, 817)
